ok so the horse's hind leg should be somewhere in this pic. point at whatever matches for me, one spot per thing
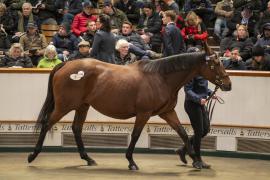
(54, 118)
(140, 122)
(79, 119)
(172, 119)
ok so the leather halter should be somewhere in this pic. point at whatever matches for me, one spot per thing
(218, 78)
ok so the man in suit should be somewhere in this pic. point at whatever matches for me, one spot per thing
(172, 39)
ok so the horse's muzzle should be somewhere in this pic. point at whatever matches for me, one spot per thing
(226, 87)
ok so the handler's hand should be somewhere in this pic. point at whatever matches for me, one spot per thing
(203, 101)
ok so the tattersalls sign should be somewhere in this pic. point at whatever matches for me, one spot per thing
(127, 128)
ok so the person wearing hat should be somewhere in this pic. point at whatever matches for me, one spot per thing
(259, 61)
(80, 20)
(117, 17)
(264, 40)
(83, 52)
(65, 42)
(33, 43)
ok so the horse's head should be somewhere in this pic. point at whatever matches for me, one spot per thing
(214, 70)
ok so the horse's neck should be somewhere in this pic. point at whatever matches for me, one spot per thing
(178, 79)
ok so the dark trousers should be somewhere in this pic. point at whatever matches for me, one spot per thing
(200, 123)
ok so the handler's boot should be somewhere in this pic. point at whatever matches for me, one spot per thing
(205, 166)
(197, 164)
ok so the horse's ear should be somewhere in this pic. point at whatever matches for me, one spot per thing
(207, 49)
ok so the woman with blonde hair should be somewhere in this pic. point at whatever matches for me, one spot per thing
(16, 58)
(241, 41)
(195, 31)
(50, 58)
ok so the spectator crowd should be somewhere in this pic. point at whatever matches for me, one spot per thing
(125, 31)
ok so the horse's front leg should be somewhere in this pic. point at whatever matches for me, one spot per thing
(172, 119)
(140, 122)
(77, 125)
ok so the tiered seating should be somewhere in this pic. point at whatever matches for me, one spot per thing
(49, 31)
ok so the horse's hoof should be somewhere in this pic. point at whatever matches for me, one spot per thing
(91, 163)
(133, 167)
(182, 155)
(31, 158)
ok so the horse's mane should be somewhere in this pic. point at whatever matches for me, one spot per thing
(172, 63)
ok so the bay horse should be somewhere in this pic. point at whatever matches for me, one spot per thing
(142, 89)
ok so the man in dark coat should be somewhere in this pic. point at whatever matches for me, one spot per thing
(151, 24)
(172, 39)
(235, 62)
(83, 52)
(64, 41)
(259, 61)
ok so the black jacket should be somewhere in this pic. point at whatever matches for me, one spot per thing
(9, 24)
(245, 46)
(234, 65)
(48, 12)
(103, 46)
(134, 39)
(130, 9)
(173, 41)
(197, 89)
(263, 66)
(154, 25)
(74, 6)
(253, 4)
(8, 61)
(78, 55)
(89, 36)
(68, 43)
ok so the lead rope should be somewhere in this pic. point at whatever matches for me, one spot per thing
(210, 106)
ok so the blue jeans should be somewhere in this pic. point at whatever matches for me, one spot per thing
(220, 28)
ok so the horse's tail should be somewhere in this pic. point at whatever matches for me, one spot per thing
(48, 105)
